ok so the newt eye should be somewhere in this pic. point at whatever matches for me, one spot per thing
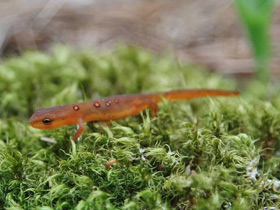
(47, 121)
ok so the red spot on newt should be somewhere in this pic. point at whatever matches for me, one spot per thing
(108, 103)
(76, 107)
(96, 104)
(116, 101)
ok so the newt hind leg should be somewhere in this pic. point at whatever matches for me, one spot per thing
(153, 106)
(148, 103)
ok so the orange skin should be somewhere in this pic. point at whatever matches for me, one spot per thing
(112, 108)
(111, 162)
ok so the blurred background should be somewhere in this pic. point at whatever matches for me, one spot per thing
(206, 32)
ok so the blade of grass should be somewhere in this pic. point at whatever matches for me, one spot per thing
(256, 17)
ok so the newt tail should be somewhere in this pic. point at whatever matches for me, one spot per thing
(112, 108)
(190, 94)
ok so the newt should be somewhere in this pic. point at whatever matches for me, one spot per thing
(112, 108)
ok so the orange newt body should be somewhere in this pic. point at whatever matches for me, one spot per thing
(111, 108)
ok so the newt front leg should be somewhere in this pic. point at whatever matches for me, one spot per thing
(80, 130)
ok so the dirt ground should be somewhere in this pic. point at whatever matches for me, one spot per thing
(204, 32)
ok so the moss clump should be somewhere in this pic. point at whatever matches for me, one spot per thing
(220, 153)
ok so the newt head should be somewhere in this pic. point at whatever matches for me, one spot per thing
(50, 118)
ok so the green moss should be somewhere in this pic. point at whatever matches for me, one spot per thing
(209, 153)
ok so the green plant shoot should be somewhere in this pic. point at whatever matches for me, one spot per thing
(256, 17)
